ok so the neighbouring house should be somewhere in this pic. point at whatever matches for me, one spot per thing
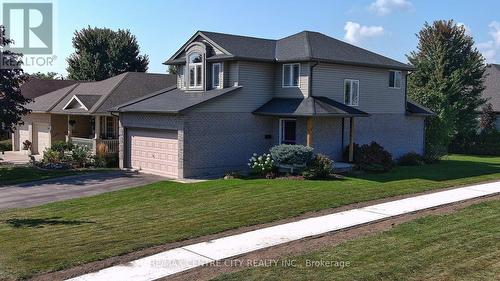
(492, 89)
(237, 95)
(80, 112)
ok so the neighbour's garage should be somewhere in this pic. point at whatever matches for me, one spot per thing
(154, 151)
(41, 137)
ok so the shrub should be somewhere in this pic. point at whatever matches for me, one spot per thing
(434, 153)
(80, 156)
(373, 158)
(411, 159)
(319, 168)
(485, 143)
(291, 154)
(62, 146)
(5, 145)
(261, 165)
(51, 156)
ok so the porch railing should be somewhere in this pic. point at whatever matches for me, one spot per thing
(111, 145)
(93, 144)
(83, 142)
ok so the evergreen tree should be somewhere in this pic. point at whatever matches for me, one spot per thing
(11, 78)
(101, 53)
(448, 79)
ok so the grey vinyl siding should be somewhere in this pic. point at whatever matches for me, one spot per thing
(375, 96)
(301, 91)
(257, 81)
(231, 72)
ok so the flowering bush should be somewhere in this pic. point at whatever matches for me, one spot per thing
(261, 165)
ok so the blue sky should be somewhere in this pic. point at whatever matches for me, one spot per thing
(387, 27)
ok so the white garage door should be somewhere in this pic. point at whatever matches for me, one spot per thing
(154, 152)
(24, 134)
(42, 137)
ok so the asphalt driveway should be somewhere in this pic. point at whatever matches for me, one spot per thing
(57, 189)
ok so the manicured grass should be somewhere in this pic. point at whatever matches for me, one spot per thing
(460, 246)
(18, 174)
(68, 233)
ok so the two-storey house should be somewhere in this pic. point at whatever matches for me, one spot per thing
(237, 95)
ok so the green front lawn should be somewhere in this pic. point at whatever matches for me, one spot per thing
(18, 174)
(461, 246)
(68, 233)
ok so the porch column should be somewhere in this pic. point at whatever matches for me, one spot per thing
(97, 127)
(309, 137)
(351, 139)
(68, 138)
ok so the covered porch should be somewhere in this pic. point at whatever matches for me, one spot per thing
(318, 122)
(91, 131)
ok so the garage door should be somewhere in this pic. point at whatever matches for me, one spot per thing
(154, 152)
(24, 134)
(42, 137)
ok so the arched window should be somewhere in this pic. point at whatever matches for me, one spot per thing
(195, 70)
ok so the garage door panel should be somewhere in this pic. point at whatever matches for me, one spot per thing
(154, 152)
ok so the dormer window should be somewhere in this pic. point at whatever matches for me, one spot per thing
(195, 66)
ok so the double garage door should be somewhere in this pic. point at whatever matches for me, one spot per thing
(154, 152)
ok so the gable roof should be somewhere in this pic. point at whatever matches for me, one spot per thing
(310, 106)
(36, 87)
(492, 86)
(99, 97)
(46, 102)
(172, 100)
(303, 46)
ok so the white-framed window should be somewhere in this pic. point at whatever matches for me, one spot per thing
(181, 71)
(395, 77)
(351, 92)
(291, 75)
(195, 69)
(288, 131)
(216, 70)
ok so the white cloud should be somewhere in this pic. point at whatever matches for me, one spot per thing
(468, 31)
(495, 32)
(490, 48)
(385, 7)
(355, 32)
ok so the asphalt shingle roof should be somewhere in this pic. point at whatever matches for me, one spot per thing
(99, 97)
(47, 101)
(303, 46)
(172, 100)
(415, 108)
(311, 106)
(492, 86)
(36, 87)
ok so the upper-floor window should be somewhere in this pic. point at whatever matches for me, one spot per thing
(195, 66)
(216, 70)
(351, 92)
(291, 74)
(395, 79)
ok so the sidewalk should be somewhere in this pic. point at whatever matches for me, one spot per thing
(184, 258)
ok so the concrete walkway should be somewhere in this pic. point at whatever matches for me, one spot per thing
(184, 258)
(62, 188)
